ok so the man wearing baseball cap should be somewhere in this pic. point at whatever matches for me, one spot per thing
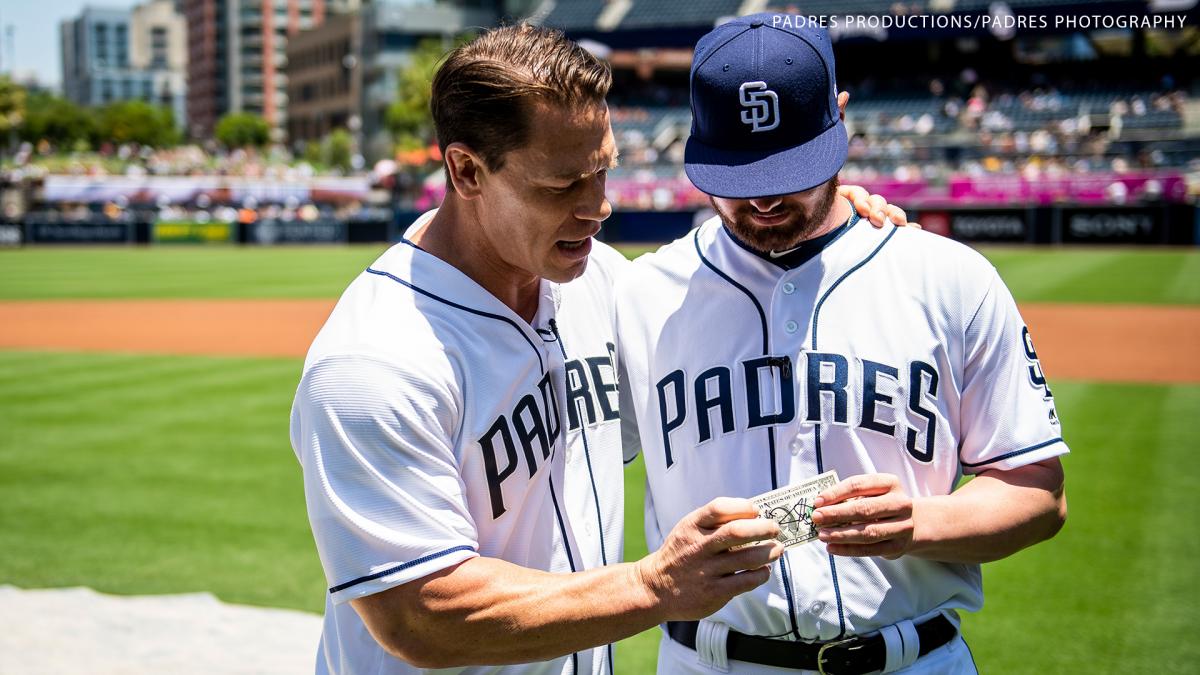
(785, 339)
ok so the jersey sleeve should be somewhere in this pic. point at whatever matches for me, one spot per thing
(1007, 409)
(385, 499)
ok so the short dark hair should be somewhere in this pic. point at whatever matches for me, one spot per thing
(483, 91)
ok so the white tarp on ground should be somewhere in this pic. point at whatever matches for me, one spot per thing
(77, 630)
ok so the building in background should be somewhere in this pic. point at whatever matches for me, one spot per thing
(158, 48)
(391, 30)
(344, 72)
(238, 56)
(116, 55)
(324, 79)
(206, 81)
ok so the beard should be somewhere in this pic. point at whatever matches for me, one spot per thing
(800, 224)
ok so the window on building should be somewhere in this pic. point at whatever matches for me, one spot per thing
(122, 42)
(158, 47)
(100, 32)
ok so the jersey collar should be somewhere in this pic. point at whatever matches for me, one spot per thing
(807, 250)
(433, 275)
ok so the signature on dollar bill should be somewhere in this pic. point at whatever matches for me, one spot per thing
(795, 521)
(792, 508)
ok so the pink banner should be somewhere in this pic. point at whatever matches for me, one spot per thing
(1089, 189)
(677, 193)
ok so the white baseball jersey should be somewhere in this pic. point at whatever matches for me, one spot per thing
(434, 424)
(891, 351)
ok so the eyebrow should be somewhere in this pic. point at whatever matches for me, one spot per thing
(576, 175)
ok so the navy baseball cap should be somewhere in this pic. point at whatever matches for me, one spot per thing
(764, 109)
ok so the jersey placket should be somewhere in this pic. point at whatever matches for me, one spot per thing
(790, 325)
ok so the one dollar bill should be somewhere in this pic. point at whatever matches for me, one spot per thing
(791, 507)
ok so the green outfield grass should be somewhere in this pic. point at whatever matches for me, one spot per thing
(1124, 275)
(154, 474)
(181, 272)
(151, 474)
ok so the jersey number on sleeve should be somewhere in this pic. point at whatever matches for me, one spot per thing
(1036, 376)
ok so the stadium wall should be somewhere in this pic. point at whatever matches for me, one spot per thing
(1154, 225)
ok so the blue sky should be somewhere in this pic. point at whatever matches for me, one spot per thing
(35, 32)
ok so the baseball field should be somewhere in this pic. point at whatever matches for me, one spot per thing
(144, 398)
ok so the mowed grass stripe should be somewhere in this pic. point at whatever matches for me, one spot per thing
(1116, 584)
(133, 482)
(1047, 274)
(127, 375)
(1169, 543)
(1187, 281)
(184, 272)
(1097, 275)
(34, 369)
(92, 403)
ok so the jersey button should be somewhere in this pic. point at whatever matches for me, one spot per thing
(795, 447)
(791, 326)
(817, 607)
(789, 288)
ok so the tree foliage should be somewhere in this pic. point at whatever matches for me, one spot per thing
(56, 120)
(242, 130)
(12, 106)
(63, 124)
(408, 117)
(336, 150)
(137, 122)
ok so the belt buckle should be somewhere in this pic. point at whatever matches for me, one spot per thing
(827, 646)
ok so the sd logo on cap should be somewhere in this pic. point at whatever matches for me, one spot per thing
(764, 109)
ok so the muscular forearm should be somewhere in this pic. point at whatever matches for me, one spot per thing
(993, 516)
(487, 611)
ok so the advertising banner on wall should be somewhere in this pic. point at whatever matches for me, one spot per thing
(992, 225)
(79, 233)
(11, 234)
(190, 232)
(1113, 225)
(267, 232)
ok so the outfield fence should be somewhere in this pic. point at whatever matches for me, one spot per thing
(1155, 224)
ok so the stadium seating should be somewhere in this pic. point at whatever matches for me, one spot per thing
(658, 13)
(572, 15)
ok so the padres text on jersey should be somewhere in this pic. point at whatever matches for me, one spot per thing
(435, 424)
(891, 351)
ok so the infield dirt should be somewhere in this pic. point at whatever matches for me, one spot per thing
(1112, 343)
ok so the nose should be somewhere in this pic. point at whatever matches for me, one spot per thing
(764, 204)
(593, 204)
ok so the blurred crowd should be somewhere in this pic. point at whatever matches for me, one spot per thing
(967, 128)
(132, 160)
(930, 133)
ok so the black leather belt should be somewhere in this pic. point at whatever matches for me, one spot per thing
(853, 656)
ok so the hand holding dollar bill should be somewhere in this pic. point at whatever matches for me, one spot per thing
(791, 508)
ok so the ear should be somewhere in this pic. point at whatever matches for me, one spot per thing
(466, 170)
(842, 99)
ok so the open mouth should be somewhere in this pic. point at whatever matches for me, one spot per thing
(575, 249)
